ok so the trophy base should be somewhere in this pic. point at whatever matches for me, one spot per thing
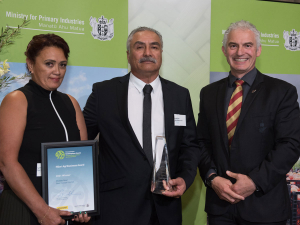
(158, 191)
(160, 186)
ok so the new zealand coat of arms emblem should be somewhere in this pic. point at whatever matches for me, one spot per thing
(102, 28)
(292, 40)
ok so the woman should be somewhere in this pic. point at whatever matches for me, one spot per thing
(29, 116)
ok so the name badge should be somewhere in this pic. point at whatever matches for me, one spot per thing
(39, 169)
(179, 120)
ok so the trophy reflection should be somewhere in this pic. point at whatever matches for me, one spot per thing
(161, 168)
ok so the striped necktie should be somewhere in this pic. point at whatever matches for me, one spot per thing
(234, 110)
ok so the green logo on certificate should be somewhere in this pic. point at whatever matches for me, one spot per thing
(60, 154)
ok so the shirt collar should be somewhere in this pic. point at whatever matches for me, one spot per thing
(248, 78)
(139, 84)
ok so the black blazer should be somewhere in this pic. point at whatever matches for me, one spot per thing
(265, 145)
(125, 170)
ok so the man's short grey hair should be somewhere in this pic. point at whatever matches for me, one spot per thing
(139, 29)
(243, 25)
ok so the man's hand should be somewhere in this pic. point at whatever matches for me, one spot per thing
(178, 188)
(223, 189)
(244, 185)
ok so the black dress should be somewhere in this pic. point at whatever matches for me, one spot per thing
(43, 125)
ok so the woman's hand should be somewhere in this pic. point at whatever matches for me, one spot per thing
(53, 217)
(82, 217)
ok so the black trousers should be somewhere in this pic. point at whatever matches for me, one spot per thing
(153, 219)
(231, 217)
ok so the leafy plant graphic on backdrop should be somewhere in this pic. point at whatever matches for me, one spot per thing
(7, 38)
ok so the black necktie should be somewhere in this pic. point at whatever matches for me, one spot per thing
(147, 139)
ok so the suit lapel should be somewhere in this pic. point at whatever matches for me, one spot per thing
(122, 92)
(167, 98)
(253, 92)
(221, 111)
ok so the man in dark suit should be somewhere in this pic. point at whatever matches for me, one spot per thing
(249, 131)
(129, 113)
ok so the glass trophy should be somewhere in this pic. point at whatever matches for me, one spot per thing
(161, 168)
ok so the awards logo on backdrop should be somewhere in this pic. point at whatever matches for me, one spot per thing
(90, 60)
(280, 56)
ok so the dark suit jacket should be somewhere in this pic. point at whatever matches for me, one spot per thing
(265, 145)
(125, 170)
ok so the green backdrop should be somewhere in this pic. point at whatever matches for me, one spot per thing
(85, 50)
(271, 19)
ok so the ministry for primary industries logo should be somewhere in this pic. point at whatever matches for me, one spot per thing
(102, 29)
(292, 40)
(60, 154)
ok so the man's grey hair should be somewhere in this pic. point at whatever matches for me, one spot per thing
(139, 29)
(243, 25)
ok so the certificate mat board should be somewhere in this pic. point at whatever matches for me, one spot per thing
(70, 176)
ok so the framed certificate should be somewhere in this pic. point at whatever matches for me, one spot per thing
(70, 179)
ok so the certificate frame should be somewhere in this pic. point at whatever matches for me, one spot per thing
(51, 147)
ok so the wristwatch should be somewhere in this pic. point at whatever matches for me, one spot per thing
(210, 179)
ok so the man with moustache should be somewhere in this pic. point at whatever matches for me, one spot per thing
(248, 129)
(129, 112)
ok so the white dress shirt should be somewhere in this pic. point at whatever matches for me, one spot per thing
(135, 108)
